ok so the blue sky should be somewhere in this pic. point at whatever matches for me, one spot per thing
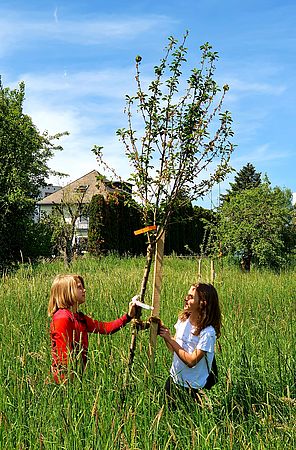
(77, 61)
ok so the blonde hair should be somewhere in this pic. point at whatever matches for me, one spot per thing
(63, 293)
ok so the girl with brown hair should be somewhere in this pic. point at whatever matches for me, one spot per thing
(197, 329)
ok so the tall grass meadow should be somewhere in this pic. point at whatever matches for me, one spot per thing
(252, 406)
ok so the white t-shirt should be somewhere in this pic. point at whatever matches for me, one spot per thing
(196, 376)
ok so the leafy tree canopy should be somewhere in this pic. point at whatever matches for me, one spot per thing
(24, 154)
(178, 139)
(181, 134)
(256, 225)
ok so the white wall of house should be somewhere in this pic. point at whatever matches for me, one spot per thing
(44, 192)
(81, 224)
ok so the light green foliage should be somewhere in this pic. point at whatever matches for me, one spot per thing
(61, 234)
(182, 130)
(257, 225)
(183, 142)
(252, 407)
(24, 154)
(62, 222)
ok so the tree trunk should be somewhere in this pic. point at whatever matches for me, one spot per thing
(149, 258)
(246, 262)
(68, 253)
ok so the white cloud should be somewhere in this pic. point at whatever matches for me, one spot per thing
(17, 31)
(77, 158)
(261, 154)
(89, 105)
(94, 32)
(108, 82)
(240, 87)
(86, 130)
(55, 15)
(263, 88)
(54, 120)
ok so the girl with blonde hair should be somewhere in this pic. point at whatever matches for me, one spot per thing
(69, 328)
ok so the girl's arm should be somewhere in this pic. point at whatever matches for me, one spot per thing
(169, 346)
(94, 326)
(190, 359)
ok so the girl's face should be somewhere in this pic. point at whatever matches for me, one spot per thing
(80, 293)
(191, 300)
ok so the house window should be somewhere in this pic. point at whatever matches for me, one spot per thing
(82, 188)
(82, 223)
(83, 219)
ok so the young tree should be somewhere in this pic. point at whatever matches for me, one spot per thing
(24, 154)
(256, 225)
(246, 178)
(184, 144)
(63, 221)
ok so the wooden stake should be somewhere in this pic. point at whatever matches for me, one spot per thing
(212, 272)
(199, 270)
(157, 279)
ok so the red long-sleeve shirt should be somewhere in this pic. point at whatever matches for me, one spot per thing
(69, 337)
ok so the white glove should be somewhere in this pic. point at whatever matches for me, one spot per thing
(135, 299)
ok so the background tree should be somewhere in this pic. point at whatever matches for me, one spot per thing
(256, 225)
(24, 154)
(63, 221)
(112, 222)
(186, 231)
(114, 218)
(183, 145)
(38, 240)
(246, 178)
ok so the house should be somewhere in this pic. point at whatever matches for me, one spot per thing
(77, 194)
(47, 190)
(44, 192)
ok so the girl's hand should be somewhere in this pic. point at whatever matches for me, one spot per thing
(165, 333)
(131, 309)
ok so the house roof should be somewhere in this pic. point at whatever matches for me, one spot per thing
(88, 184)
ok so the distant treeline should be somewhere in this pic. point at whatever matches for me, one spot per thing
(113, 220)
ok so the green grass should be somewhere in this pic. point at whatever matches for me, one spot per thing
(252, 407)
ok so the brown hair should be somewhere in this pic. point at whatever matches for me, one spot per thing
(209, 310)
(63, 292)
